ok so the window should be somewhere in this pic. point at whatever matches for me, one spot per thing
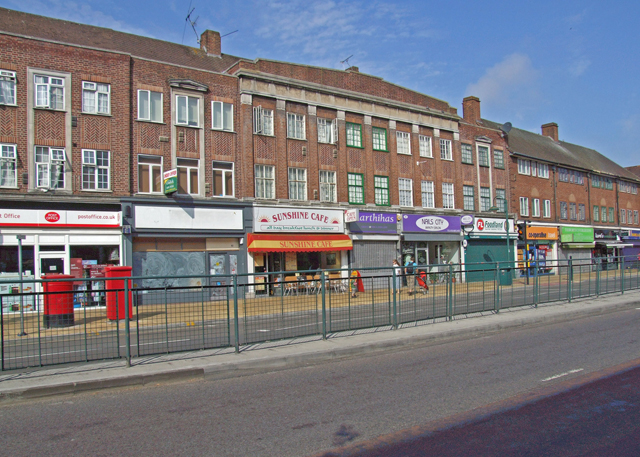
(445, 150)
(222, 179)
(222, 116)
(466, 153)
(573, 213)
(149, 106)
(428, 198)
(603, 214)
(49, 92)
(95, 170)
(425, 146)
(595, 181)
(635, 217)
(149, 174)
(327, 131)
(381, 187)
(405, 192)
(403, 143)
(582, 213)
(609, 183)
(534, 168)
(596, 214)
(447, 195)
(188, 176)
(328, 186)
(265, 181)
(297, 184)
(524, 167)
(8, 165)
(547, 209)
(188, 111)
(295, 126)
(623, 216)
(354, 135)
(611, 214)
(262, 121)
(498, 158)
(564, 212)
(7, 87)
(485, 198)
(563, 175)
(50, 167)
(483, 156)
(96, 98)
(629, 216)
(355, 182)
(543, 170)
(535, 208)
(468, 199)
(379, 139)
(524, 206)
(501, 199)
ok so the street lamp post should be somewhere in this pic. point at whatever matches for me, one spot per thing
(496, 208)
(20, 238)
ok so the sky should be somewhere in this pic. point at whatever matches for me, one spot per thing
(575, 63)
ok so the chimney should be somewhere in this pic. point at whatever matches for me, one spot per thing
(471, 109)
(550, 130)
(210, 43)
(353, 69)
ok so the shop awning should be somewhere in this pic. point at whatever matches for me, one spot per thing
(578, 245)
(258, 242)
(615, 244)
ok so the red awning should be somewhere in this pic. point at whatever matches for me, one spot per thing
(258, 242)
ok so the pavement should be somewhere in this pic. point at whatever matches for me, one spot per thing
(286, 354)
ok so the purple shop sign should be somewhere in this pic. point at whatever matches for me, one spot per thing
(430, 224)
(375, 223)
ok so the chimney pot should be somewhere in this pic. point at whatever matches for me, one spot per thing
(471, 109)
(210, 43)
(550, 130)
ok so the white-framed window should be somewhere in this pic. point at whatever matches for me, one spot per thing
(8, 165)
(524, 167)
(405, 192)
(188, 110)
(149, 174)
(381, 190)
(466, 153)
(483, 156)
(149, 106)
(50, 165)
(265, 181)
(328, 186)
(403, 143)
(295, 126)
(49, 92)
(498, 158)
(468, 198)
(222, 179)
(354, 135)
(501, 199)
(485, 198)
(630, 216)
(573, 211)
(7, 87)
(543, 170)
(297, 183)
(534, 168)
(535, 208)
(355, 189)
(428, 196)
(596, 213)
(603, 212)
(635, 217)
(623, 216)
(96, 170)
(262, 121)
(379, 137)
(222, 116)
(563, 174)
(445, 150)
(564, 210)
(327, 130)
(524, 206)
(447, 195)
(188, 176)
(582, 214)
(425, 146)
(546, 211)
(96, 98)
(612, 213)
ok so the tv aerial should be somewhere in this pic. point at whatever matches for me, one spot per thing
(346, 61)
(192, 22)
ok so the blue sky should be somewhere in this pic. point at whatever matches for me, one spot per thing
(576, 63)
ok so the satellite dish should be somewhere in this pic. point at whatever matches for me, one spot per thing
(506, 127)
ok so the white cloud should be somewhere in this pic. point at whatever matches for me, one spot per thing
(506, 80)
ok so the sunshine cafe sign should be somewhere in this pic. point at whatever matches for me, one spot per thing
(279, 220)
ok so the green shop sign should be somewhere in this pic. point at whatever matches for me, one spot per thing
(171, 181)
(576, 234)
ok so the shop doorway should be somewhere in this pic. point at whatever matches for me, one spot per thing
(221, 266)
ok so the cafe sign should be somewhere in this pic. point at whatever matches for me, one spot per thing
(282, 219)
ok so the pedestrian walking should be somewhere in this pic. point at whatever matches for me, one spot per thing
(409, 270)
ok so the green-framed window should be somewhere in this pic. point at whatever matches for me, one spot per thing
(381, 187)
(379, 136)
(355, 183)
(498, 160)
(596, 213)
(611, 214)
(483, 156)
(354, 135)
(468, 199)
(603, 214)
(467, 153)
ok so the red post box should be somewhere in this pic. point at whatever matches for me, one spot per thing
(115, 292)
(58, 301)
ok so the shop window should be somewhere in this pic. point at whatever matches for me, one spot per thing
(9, 259)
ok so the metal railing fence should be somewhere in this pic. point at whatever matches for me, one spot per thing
(84, 321)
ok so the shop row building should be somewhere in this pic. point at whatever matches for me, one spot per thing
(122, 149)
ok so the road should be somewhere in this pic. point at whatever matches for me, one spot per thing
(308, 410)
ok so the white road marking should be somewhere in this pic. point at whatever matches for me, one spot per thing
(563, 374)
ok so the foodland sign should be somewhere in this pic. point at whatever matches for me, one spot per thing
(278, 220)
(486, 226)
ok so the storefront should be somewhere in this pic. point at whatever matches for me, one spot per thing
(295, 239)
(576, 243)
(609, 247)
(375, 239)
(538, 251)
(433, 240)
(631, 250)
(486, 245)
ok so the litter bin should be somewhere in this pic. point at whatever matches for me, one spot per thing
(505, 277)
(115, 292)
(58, 301)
